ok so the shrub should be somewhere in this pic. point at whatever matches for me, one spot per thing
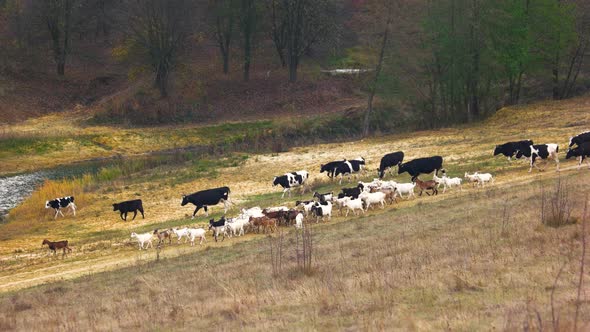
(556, 205)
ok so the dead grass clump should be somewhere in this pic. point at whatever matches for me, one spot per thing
(557, 205)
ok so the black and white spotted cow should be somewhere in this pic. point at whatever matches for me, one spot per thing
(389, 161)
(349, 167)
(421, 166)
(291, 180)
(330, 167)
(580, 138)
(543, 151)
(582, 151)
(204, 198)
(510, 149)
(61, 203)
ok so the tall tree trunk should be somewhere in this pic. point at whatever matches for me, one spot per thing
(373, 88)
(293, 64)
(225, 57)
(555, 68)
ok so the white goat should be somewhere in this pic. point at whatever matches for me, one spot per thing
(143, 238)
(307, 207)
(448, 182)
(339, 203)
(299, 221)
(353, 205)
(235, 226)
(405, 188)
(484, 178)
(472, 178)
(194, 233)
(180, 232)
(373, 198)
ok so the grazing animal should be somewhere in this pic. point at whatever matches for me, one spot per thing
(353, 205)
(352, 192)
(129, 206)
(323, 197)
(180, 233)
(543, 151)
(582, 151)
(54, 246)
(421, 166)
(373, 198)
(349, 167)
(510, 149)
(322, 210)
(291, 180)
(163, 235)
(472, 178)
(330, 167)
(579, 139)
(196, 233)
(265, 222)
(427, 185)
(484, 178)
(389, 161)
(203, 198)
(142, 239)
(218, 227)
(299, 220)
(448, 182)
(61, 203)
(338, 202)
(306, 205)
(405, 188)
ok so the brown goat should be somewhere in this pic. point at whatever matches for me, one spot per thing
(163, 235)
(54, 246)
(264, 222)
(427, 185)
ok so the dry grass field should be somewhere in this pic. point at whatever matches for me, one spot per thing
(479, 259)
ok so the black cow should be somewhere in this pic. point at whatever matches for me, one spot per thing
(421, 166)
(129, 206)
(390, 160)
(330, 167)
(61, 203)
(348, 167)
(509, 149)
(290, 180)
(351, 192)
(582, 151)
(580, 138)
(203, 198)
(543, 151)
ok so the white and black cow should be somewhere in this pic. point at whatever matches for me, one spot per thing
(421, 166)
(580, 138)
(61, 203)
(291, 180)
(510, 149)
(349, 167)
(543, 151)
(330, 167)
(204, 198)
(582, 151)
(390, 160)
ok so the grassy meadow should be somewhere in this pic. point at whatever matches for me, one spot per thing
(477, 259)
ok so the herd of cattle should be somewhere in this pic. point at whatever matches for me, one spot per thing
(355, 199)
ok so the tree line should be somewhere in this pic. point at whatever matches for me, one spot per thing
(449, 60)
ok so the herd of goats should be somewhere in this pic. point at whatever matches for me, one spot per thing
(358, 199)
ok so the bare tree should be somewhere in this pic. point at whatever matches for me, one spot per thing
(248, 17)
(160, 29)
(57, 15)
(278, 32)
(224, 14)
(306, 23)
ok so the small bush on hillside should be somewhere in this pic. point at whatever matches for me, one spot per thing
(556, 205)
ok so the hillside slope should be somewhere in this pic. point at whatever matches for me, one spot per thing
(463, 260)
